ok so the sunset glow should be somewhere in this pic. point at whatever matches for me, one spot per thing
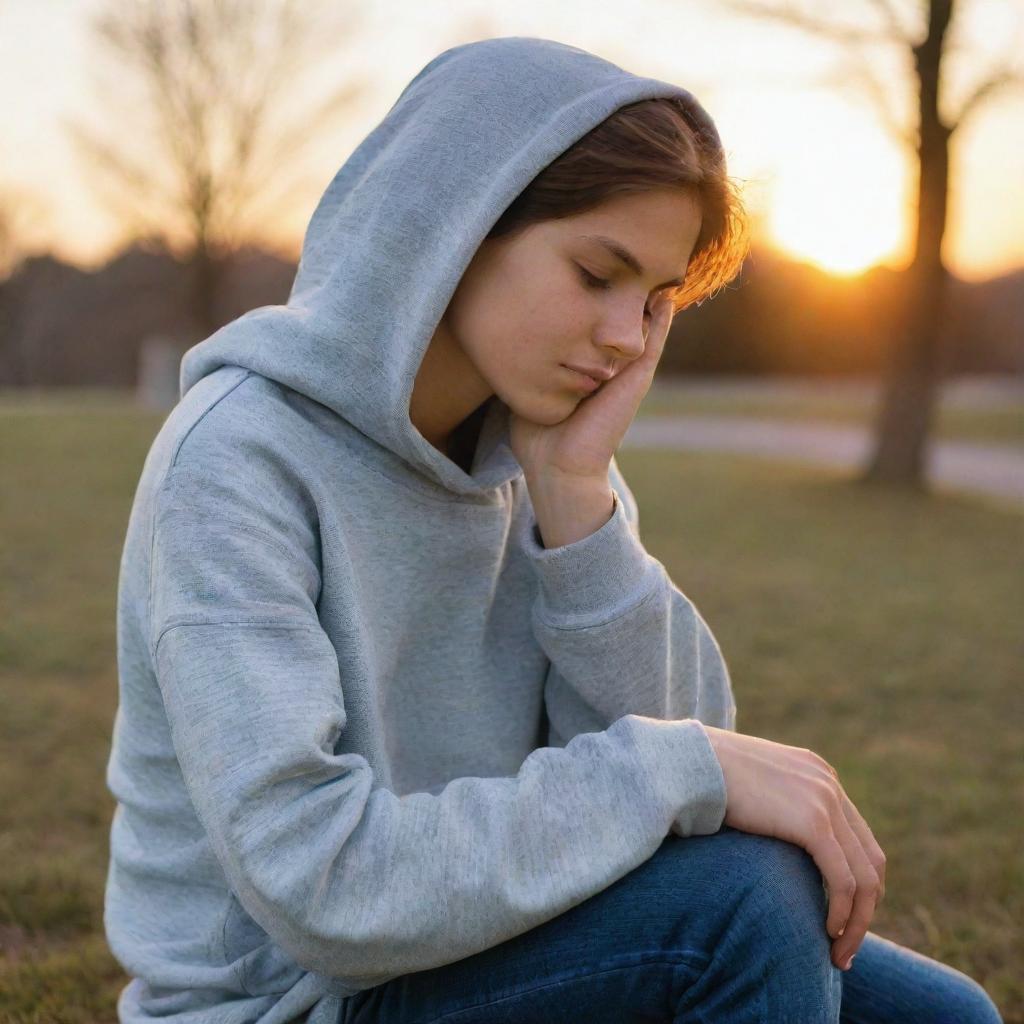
(830, 185)
(839, 201)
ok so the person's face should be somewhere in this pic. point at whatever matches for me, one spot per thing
(529, 306)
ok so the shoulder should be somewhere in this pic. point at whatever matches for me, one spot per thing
(235, 413)
(240, 445)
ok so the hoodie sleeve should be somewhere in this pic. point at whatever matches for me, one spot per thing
(349, 878)
(621, 637)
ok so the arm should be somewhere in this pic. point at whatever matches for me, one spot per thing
(349, 878)
(620, 636)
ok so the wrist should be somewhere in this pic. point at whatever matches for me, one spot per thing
(716, 735)
(569, 509)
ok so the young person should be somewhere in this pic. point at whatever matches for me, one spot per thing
(412, 727)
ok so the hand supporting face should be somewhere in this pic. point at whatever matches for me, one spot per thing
(566, 464)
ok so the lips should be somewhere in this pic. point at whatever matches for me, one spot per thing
(598, 373)
(583, 380)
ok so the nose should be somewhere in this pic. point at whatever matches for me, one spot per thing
(624, 333)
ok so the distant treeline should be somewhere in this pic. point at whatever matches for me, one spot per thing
(64, 326)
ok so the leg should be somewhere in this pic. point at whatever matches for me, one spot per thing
(727, 928)
(890, 984)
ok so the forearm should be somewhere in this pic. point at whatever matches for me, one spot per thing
(620, 636)
(569, 510)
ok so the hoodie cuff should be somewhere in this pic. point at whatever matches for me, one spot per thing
(594, 579)
(707, 797)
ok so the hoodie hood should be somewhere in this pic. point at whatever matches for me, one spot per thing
(399, 224)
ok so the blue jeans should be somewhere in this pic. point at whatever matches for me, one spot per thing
(716, 929)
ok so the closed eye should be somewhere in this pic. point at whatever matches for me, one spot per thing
(599, 282)
(594, 282)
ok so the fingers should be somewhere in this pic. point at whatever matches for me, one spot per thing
(830, 856)
(619, 398)
(852, 882)
(865, 896)
(867, 841)
(859, 825)
(657, 332)
(661, 320)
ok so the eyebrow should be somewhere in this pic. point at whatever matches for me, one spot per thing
(619, 250)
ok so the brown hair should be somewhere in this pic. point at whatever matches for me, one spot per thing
(651, 144)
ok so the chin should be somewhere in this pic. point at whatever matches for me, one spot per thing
(547, 410)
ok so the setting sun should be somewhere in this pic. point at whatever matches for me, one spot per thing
(837, 198)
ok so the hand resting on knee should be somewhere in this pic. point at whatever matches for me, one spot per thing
(792, 793)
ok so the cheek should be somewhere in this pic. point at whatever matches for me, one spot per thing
(549, 326)
(520, 342)
(519, 335)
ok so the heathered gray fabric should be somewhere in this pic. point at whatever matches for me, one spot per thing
(367, 724)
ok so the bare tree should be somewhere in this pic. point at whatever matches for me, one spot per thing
(199, 149)
(911, 388)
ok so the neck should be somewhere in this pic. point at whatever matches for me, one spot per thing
(446, 390)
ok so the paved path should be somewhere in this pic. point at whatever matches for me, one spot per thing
(958, 465)
(999, 391)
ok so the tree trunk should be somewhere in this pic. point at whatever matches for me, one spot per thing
(207, 277)
(906, 409)
(16, 363)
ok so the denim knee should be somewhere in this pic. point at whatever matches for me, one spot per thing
(781, 883)
(789, 891)
(969, 1002)
(770, 955)
(768, 883)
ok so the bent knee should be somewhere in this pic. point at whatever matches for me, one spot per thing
(969, 1002)
(789, 886)
(776, 877)
(757, 882)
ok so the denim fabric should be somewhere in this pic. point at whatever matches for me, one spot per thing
(717, 929)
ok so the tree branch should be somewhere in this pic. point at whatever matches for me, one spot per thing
(856, 72)
(998, 81)
(895, 25)
(193, 108)
(788, 15)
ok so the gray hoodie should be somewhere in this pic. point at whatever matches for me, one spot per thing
(368, 724)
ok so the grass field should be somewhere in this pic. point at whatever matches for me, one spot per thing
(882, 631)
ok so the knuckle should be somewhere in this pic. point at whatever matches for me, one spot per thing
(825, 792)
(872, 886)
(860, 918)
(822, 763)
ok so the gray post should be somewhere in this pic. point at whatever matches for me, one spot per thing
(157, 380)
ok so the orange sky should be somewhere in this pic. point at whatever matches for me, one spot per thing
(822, 176)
